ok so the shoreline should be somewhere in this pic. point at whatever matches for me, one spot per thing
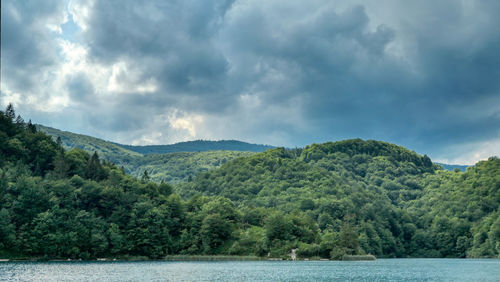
(166, 258)
(207, 258)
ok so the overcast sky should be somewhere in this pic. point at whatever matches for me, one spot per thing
(422, 74)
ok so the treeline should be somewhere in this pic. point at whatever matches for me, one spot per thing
(327, 200)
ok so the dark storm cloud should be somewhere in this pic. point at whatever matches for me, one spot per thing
(356, 87)
(423, 74)
(177, 35)
(27, 47)
(80, 89)
(457, 55)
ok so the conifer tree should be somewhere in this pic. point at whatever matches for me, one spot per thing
(9, 112)
(19, 120)
(59, 141)
(61, 166)
(145, 176)
(31, 127)
(94, 168)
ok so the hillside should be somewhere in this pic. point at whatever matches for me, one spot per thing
(69, 204)
(179, 166)
(107, 150)
(182, 162)
(396, 202)
(111, 149)
(198, 146)
(327, 200)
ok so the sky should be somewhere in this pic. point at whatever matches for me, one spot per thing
(421, 74)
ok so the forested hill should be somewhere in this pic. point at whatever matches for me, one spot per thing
(72, 140)
(173, 163)
(396, 202)
(181, 163)
(326, 200)
(109, 150)
(198, 146)
(331, 164)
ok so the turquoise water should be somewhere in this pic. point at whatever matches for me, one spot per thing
(380, 270)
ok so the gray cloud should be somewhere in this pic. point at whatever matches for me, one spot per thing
(422, 74)
(27, 47)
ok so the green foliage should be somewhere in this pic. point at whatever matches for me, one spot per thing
(170, 163)
(331, 200)
(178, 167)
(361, 197)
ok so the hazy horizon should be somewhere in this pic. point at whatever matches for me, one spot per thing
(423, 75)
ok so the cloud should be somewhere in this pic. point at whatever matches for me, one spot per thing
(27, 48)
(421, 74)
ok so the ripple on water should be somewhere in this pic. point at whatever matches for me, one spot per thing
(379, 270)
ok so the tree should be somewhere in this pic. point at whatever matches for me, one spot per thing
(59, 141)
(145, 176)
(307, 204)
(94, 168)
(426, 161)
(19, 120)
(215, 230)
(7, 231)
(9, 112)
(277, 227)
(61, 166)
(31, 127)
(348, 239)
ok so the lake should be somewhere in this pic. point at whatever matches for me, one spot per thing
(379, 270)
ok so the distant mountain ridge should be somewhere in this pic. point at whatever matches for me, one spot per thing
(198, 146)
(71, 140)
(85, 142)
(173, 163)
(452, 167)
(203, 155)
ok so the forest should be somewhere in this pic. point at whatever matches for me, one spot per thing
(325, 200)
(174, 163)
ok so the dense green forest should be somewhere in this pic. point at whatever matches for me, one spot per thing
(396, 202)
(181, 166)
(175, 163)
(328, 200)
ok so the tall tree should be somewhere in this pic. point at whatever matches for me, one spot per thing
(19, 120)
(94, 168)
(9, 112)
(145, 176)
(31, 127)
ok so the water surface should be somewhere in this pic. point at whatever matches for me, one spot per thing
(379, 270)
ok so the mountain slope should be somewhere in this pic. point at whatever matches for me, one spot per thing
(108, 150)
(198, 146)
(396, 202)
(325, 200)
(72, 140)
(173, 167)
(179, 166)
(341, 161)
